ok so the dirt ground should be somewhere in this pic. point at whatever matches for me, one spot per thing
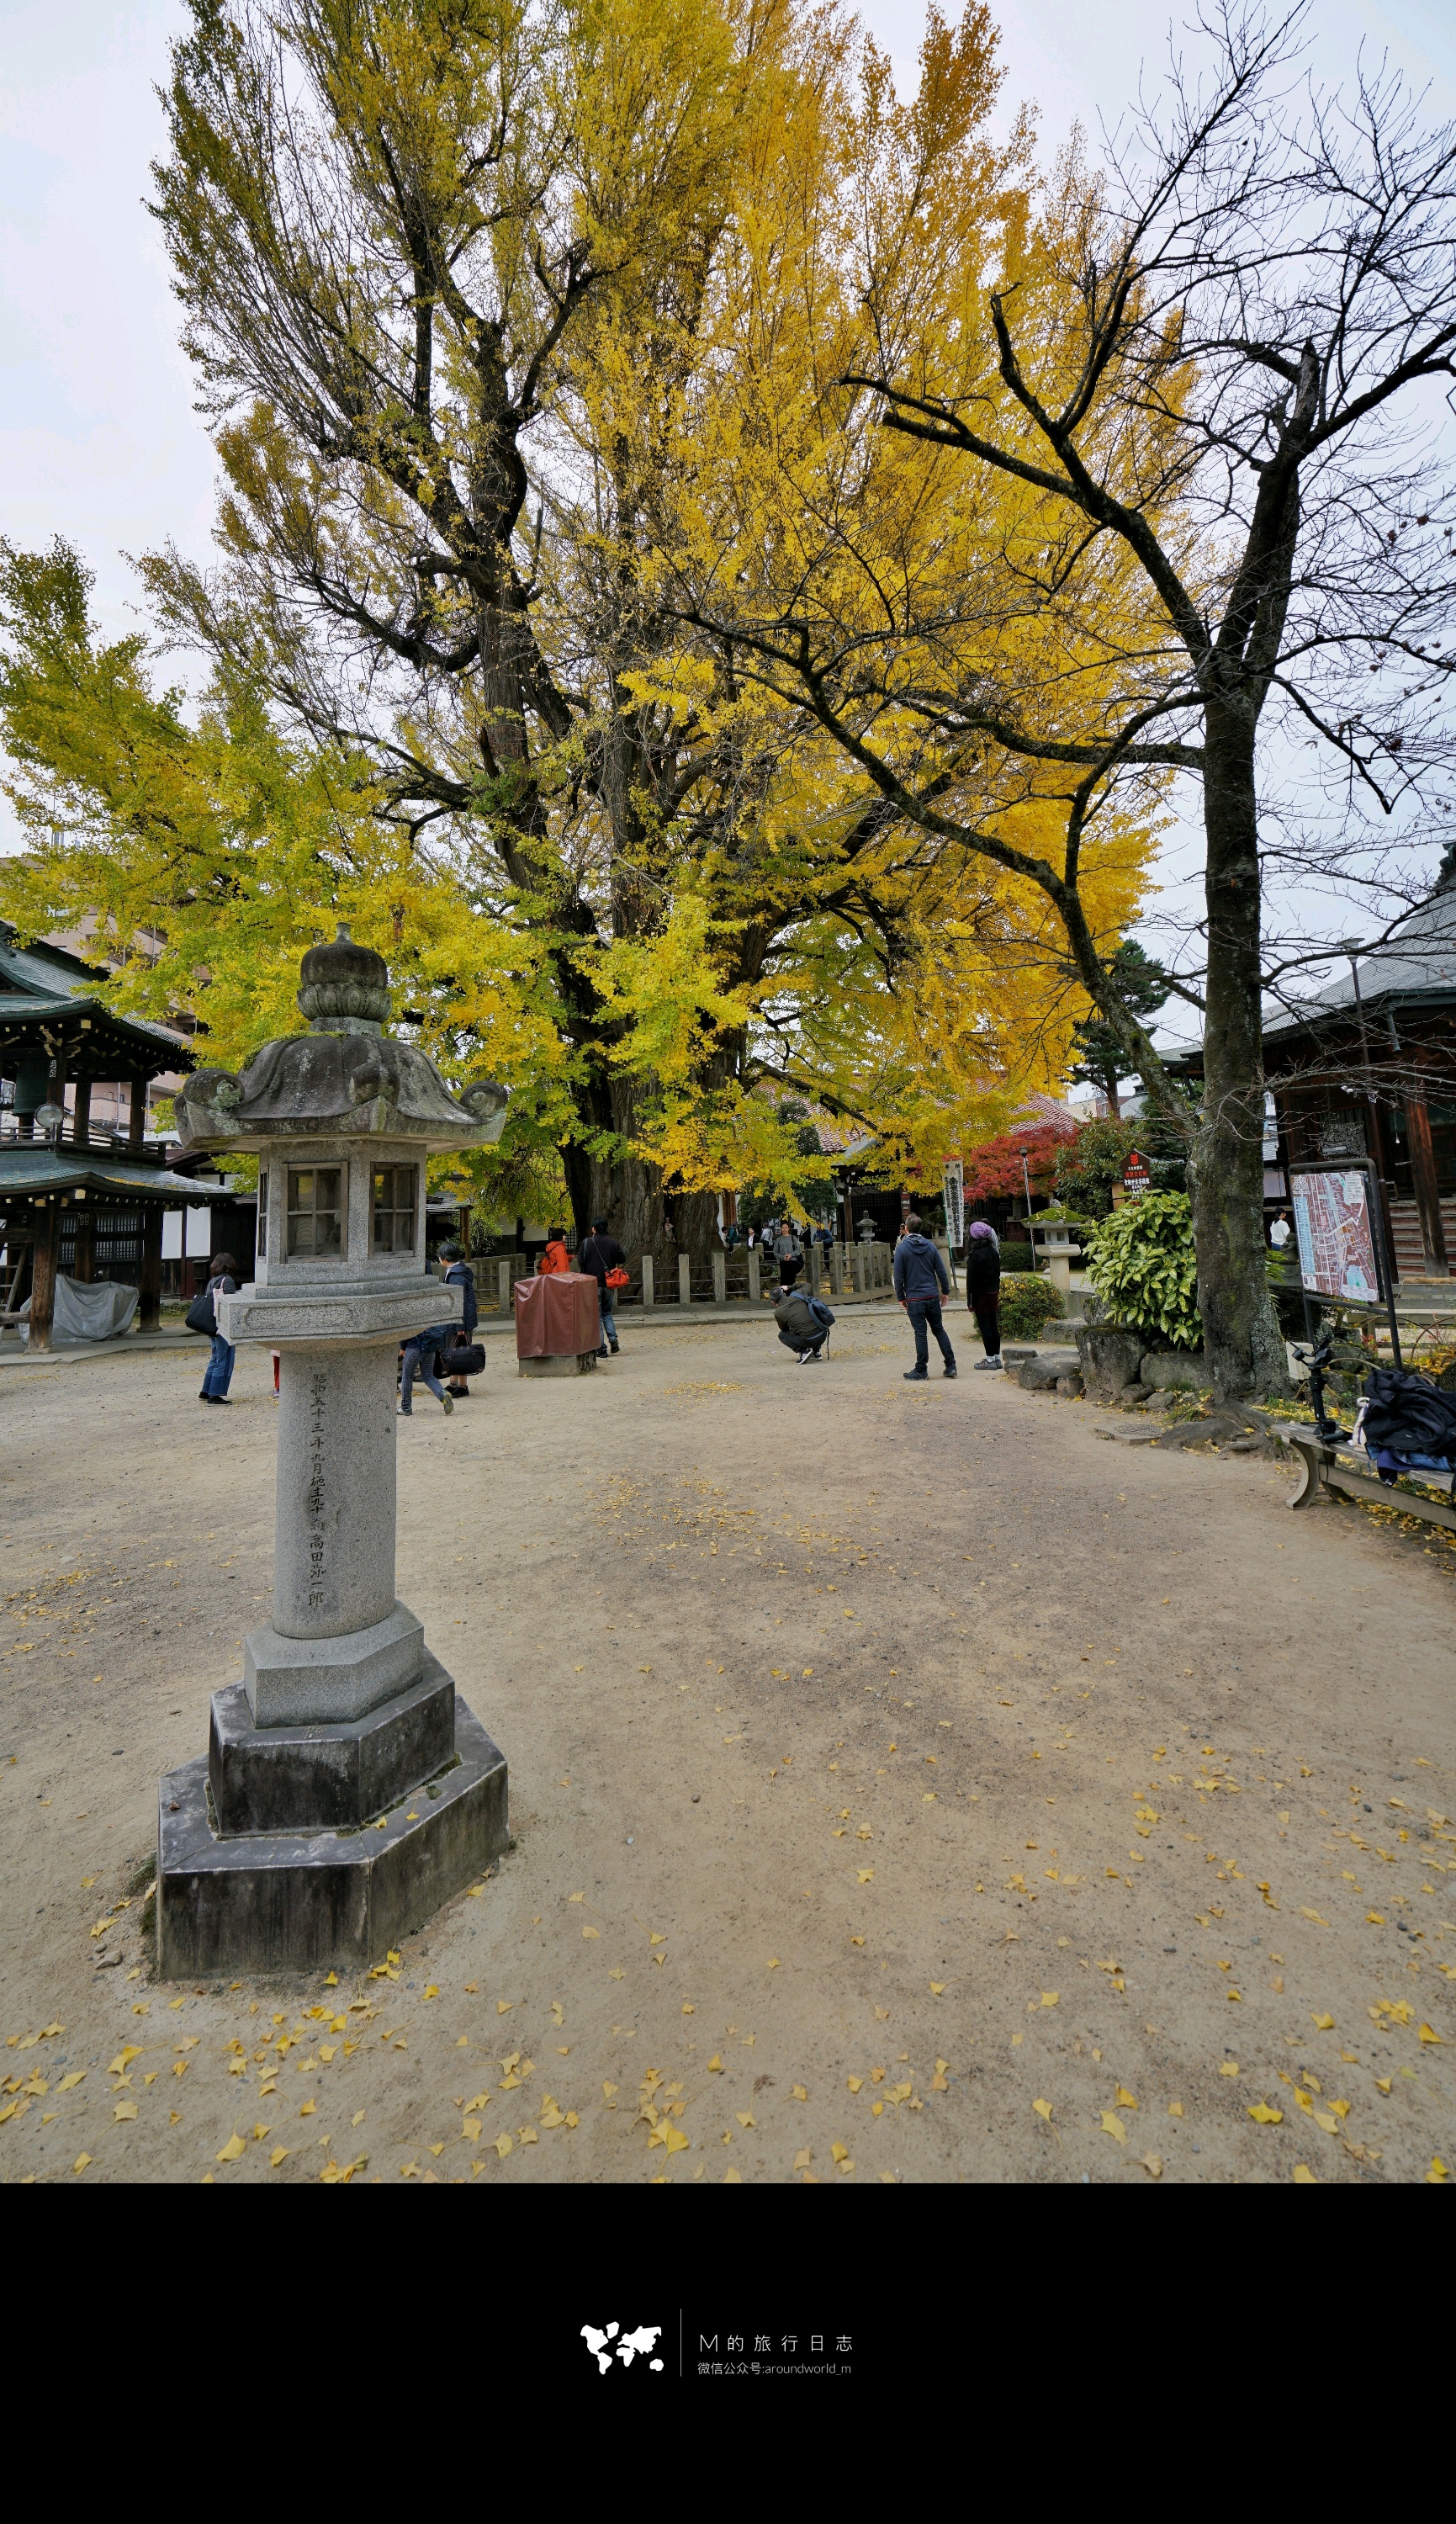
(905, 1785)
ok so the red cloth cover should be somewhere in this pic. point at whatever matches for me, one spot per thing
(555, 1315)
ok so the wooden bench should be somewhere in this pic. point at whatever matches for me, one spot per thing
(1327, 1468)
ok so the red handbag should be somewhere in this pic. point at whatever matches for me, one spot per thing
(619, 1277)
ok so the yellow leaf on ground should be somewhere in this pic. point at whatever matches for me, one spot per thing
(1113, 2127)
(278, 2155)
(305, 2109)
(1123, 2097)
(1438, 2171)
(1154, 2164)
(802, 2159)
(1043, 2107)
(864, 1876)
(1306, 1914)
(503, 2006)
(800, 2094)
(714, 2063)
(839, 2151)
(1049, 1997)
(1302, 2174)
(1429, 2033)
(1174, 2112)
(1322, 2023)
(73, 2077)
(591, 1932)
(1264, 2112)
(124, 2113)
(82, 2162)
(230, 2153)
(745, 2120)
(937, 1989)
(503, 2143)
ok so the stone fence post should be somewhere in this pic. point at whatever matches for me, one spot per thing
(753, 1282)
(502, 1284)
(646, 1281)
(720, 1279)
(859, 1262)
(684, 1280)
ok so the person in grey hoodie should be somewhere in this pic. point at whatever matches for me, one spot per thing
(921, 1281)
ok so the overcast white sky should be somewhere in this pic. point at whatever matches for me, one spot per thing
(98, 439)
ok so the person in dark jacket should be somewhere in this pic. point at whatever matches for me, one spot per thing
(799, 1328)
(921, 1281)
(601, 1253)
(984, 1287)
(458, 1275)
(217, 1376)
(417, 1358)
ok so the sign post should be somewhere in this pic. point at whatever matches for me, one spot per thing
(1137, 1176)
(1342, 1237)
(952, 1184)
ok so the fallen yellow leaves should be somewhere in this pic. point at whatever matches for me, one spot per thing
(1428, 2033)
(1264, 2113)
(1114, 2127)
(234, 2148)
(124, 2113)
(1322, 2023)
(1043, 2107)
(1302, 2174)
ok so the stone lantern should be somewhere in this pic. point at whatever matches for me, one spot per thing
(347, 1791)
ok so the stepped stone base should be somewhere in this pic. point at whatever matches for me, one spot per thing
(307, 1901)
(326, 1777)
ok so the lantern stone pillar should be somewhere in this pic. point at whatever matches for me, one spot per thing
(348, 1790)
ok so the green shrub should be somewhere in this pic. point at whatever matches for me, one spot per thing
(1140, 1262)
(1017, 1257)
(1027, 1304)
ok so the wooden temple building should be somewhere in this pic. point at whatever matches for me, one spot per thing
(81, 1197)
(1367, 1068)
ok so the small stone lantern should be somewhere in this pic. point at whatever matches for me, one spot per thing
(347, 1791)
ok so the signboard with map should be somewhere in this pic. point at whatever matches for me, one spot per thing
(1336, 1241)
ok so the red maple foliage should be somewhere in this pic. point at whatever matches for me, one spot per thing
(993, 1170)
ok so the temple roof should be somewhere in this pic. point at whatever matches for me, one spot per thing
(50, 1002)
(31, 1167)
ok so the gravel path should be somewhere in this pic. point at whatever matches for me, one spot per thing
(905, 1785)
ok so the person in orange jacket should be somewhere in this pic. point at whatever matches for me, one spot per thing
(555, 1256)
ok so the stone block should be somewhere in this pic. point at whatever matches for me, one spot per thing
(1070, 1386)
(581, 1366)
(327, 1682)
(310, 1901)
(1173, 1371)
(315, 1778)
(1110, 1355)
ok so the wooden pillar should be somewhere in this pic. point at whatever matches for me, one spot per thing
(138, 1114)
(1428, 1198)
(85, 1242)
(81, 1117)
(149, 1312)
(43, 1273)
(463, 1215)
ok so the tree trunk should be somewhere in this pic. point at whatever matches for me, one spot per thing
(1242, 1341)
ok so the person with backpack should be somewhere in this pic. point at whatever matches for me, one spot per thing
(804, 1322)
(417, 1358)
(984, 1287)
(921, 1281)
(217, 1376)
(603, 1256)
(458, 1275)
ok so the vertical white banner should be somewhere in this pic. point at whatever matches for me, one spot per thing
(952, 1180)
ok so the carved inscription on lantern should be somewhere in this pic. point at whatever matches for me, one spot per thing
(316, 1492)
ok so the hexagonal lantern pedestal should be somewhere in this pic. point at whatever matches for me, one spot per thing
(347, 1790)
